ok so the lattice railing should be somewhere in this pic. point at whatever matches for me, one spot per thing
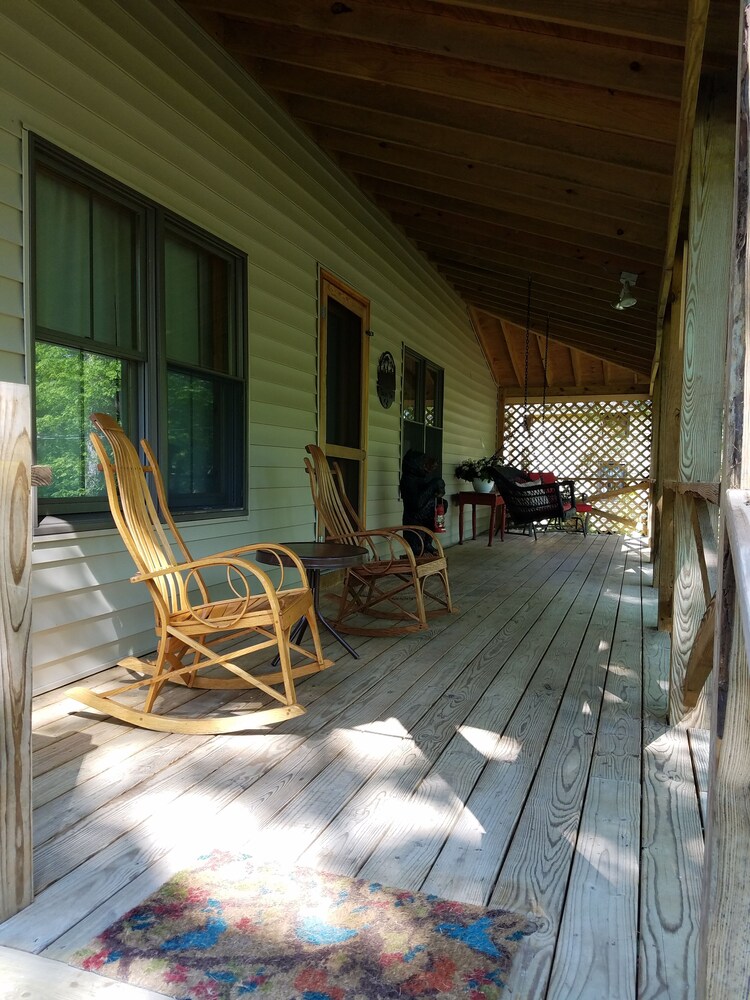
(605, 446)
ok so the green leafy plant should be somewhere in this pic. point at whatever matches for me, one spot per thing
(476, 468)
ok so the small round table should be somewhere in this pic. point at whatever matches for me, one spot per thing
(317, 558)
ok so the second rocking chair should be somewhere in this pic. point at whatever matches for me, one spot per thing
(392, 584)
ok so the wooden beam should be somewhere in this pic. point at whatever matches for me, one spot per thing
(626, 522)
(701, 659)
(669, 437)
(488, 232)
(499, 43)
(510, 302)
(573, 103)
(724, 940)
(737, 513)
(517, 352)
(505, 151)
(662, 22)
(644, 484)
(575, 337)
(437, 198)
(588, 305)
(566, 394)
(16, 847)
(475, 319)
(490, 264)
(642, 228)
(711, 198)
(589, 200)
(695, 37)
(646, 155)
(705, 544)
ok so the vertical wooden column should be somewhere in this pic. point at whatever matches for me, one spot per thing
(724, 954)
(670, 397)
(15, 664)
(711, 224)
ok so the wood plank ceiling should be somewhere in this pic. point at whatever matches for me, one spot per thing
(516, 142)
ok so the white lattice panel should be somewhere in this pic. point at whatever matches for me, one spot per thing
(602, 445)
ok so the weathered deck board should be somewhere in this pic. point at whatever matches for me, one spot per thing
(31, 977)
(533, 877)
(493, 758)
(595, 954)
(671, 864)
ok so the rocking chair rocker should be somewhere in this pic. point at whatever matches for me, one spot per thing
(192, 629)
(393, 567)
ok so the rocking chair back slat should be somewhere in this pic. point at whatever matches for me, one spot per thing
(329, 497)
(134, 511)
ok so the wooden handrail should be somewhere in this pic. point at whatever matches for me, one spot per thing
(642, 485)
(737, 518)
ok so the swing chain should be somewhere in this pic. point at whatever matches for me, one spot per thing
(526, 359)
(546, 352)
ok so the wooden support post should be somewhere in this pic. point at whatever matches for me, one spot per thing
(656, 477)
(15, 663)
(710, 238)
(669, 437)
(724, 944)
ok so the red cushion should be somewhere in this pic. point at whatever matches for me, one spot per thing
(566, 506)
(584, 508)
(548, 477)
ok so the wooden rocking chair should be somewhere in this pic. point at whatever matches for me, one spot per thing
(392, 568)
(192, 629)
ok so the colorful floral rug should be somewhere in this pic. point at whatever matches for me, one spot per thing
(235, 929)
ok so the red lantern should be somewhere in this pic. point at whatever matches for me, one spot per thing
(439, 515)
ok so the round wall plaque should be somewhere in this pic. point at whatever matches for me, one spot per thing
(386, 379)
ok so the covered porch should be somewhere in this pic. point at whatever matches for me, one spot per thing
(516, 754)
(519, 206)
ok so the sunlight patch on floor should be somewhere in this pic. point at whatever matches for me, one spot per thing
(489, 745)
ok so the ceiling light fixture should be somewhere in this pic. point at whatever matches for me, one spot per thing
(626, 299)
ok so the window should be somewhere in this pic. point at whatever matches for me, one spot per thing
(138, 313)
(422, 407)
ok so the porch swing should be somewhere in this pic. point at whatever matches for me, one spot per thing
(539, 496)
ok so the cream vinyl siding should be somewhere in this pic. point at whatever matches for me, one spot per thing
(137, 90)
(11, 258)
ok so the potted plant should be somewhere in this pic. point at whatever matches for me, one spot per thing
(478, 472)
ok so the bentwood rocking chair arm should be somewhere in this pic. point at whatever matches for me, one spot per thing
(282, 550)
(364, 537)
(193, 568)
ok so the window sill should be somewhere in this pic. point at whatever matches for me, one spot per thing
(101, 521)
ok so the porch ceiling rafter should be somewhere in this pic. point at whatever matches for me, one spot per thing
(506, 139)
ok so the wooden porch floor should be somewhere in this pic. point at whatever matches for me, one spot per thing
(514, 755)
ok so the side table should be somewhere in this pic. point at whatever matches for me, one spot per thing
(492, 500)
(317, 558)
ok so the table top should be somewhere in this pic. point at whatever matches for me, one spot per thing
(316, 555)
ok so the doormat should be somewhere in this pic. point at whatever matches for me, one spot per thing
(235, 929)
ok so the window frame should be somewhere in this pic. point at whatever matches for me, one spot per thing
(147, 406)
(423, 365)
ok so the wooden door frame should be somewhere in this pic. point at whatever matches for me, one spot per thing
(330, 286)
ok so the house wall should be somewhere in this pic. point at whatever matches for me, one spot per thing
(136, 89)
